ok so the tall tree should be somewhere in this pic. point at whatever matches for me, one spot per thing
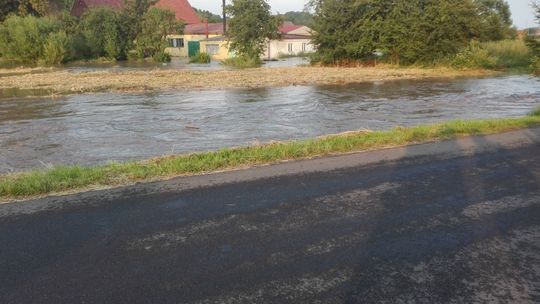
(33, 7)
(406, 31)
(132, 16)
(156, 25)
(496, 20)
(251, 24)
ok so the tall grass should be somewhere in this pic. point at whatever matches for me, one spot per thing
(509, 53)
(65, 178)
(505, 54)
(242, 62)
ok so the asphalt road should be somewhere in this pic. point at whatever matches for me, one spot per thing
(453, 222)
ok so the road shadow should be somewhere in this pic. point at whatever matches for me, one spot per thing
(462, 231)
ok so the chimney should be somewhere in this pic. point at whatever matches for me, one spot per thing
(224, 19)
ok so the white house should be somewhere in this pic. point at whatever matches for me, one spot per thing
(295, 40)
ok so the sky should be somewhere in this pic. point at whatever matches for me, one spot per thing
(521, 11)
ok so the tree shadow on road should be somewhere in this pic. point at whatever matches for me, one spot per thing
(451, 232)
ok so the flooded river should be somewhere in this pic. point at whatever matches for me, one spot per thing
(91, 129)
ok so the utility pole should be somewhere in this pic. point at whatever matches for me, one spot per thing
(224, 19)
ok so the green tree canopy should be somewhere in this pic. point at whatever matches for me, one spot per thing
(156, 25)
(299, 18)
(103, 33)
(251, 24)
(406, 31)
(496, 20)
(207, 15)
(22, 38)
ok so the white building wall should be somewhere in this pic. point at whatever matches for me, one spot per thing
(275, 48)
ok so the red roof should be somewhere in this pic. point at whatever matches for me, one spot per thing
(200, 28)
(288, 27)
(181, 8)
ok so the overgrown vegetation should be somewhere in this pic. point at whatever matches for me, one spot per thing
(242, 62)
(200, 58)
(33, 35)
(66, 178)
(405, 31)
(250, 26)
(156, 25)
(504, 54)
(534, 44)
(300, 54)
(207, 15)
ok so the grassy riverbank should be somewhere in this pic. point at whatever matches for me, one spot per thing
(26, 82)
(61, 179)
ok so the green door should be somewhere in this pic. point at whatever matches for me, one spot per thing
(193, 48)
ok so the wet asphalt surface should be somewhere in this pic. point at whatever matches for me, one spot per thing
(422, 230)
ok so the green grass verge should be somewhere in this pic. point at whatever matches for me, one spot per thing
(64, 178)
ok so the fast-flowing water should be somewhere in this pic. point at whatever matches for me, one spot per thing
(96, 128)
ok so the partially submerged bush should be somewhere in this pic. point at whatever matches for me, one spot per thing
(535, 69)
(242, 62)
(56, 49)
(161, 56)
(200, 58)
(536, 112)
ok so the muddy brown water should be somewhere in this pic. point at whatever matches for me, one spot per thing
(96, 128)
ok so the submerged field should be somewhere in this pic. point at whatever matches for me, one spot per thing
(50, 81)
(72, 178)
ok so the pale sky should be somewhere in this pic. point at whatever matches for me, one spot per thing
(521, 11)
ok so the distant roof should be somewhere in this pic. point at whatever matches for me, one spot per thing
(200, 29)
(181, 8)
(293, 36)
(287, 27)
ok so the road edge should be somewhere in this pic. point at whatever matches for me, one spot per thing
(463, 146)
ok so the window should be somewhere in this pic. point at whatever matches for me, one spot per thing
(304, 47)
(212, 49)
(176, 42)
(290, 48)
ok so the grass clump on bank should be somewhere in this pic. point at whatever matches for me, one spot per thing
(200, 58)
(242, 62)
(65, 178)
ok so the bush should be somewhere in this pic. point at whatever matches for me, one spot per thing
(103, 35)
(535, 66)
(22, 39)
(161, 56)
(56, 49)
(200, 58)
(474, 56)
(242, 62)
